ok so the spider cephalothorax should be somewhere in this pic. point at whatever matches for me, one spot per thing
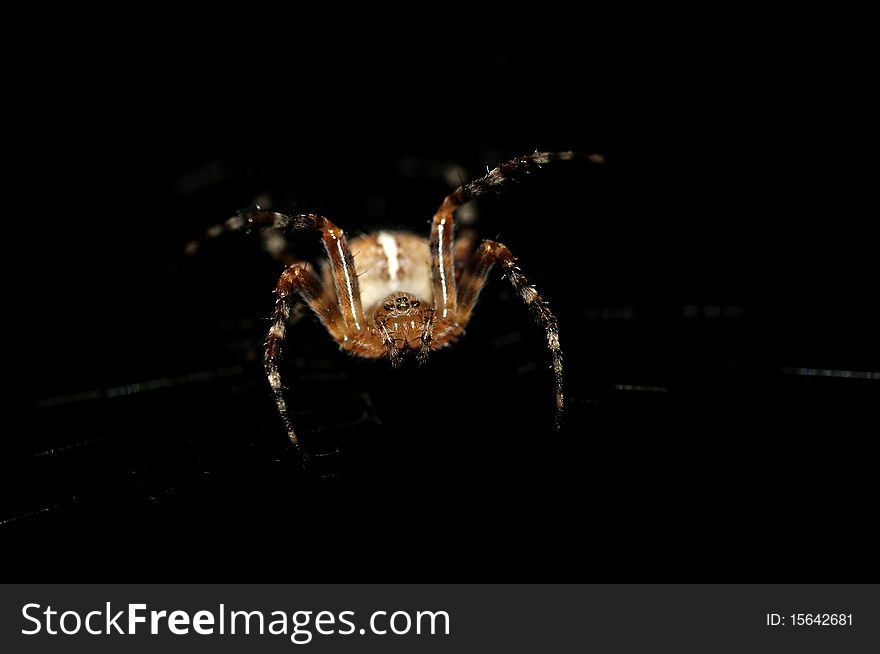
(403, 293)
(405, 323)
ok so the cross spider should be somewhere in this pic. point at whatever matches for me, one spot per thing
(405, 293)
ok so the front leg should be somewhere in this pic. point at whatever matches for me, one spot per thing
(443, 251)
(341, 262)
(443, 263)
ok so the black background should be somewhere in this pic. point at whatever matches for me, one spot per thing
(723, 249)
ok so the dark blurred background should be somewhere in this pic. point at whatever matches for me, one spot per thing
(715, 286)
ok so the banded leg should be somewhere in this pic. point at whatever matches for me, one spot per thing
(488, 254)
(295, 279)
(341, 262)
(273, 241)
(443, 224)
(335, 244)
(508, 172)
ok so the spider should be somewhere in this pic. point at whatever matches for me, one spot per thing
(399, 293)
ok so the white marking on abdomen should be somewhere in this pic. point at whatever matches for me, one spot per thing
(374, 267)
(388, 243)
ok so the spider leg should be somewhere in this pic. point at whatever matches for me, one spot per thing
(443, 263)
(486, 256)
(341, 262)
(273, 240)
(508, 172)
(295, 280)
(444, 252)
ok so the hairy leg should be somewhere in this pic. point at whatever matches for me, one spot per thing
(295, 280)
(486, 256)
(338, 252)
(444, 252)
(274, 241)
(507, 172)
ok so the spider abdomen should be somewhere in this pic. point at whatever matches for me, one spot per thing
(388, 262)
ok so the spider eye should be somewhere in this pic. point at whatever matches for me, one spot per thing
(414, 304)
(388, 306)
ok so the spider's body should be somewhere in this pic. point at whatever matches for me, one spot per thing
(391, 293)
(387, 262)
(393, 270)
